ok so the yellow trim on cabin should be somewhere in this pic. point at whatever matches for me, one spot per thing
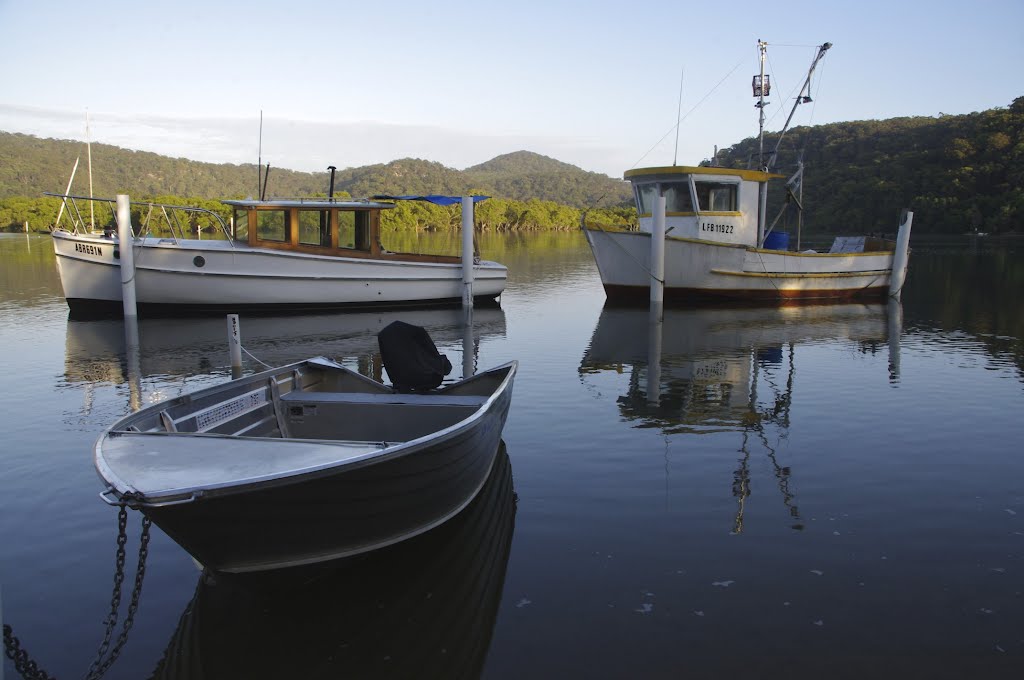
(808, 275)
(707, 213)
(751, 175)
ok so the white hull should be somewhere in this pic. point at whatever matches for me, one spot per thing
(234, 276)
(696, 269)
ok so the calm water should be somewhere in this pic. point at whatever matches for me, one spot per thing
(807, 492)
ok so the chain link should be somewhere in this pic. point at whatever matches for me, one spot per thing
(28, 668)
(25, 666)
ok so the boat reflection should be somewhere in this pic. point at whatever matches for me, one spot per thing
(424, 608)
(704, 370)
(97, 351)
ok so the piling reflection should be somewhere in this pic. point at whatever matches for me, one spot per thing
(101, 351)
(706, 370)
(424, 608)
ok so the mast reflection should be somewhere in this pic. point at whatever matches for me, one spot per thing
(712, 370)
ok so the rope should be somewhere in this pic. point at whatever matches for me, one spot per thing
(254, 358)
(680, 120)
(623, 249)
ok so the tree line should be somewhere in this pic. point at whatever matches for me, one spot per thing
(961, 173)
(493, 214)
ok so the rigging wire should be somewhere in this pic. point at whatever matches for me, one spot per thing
(681, 119)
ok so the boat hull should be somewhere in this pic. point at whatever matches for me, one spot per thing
(306, 463)
(433, 620)
(217, 276)
(703, 271)
(341, 514)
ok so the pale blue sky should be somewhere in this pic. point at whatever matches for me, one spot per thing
(595, 84)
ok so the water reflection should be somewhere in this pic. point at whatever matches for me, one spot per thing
(424, 608)
(700, 371)
(97, 351)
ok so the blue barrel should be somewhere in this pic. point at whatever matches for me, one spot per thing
(776, 240)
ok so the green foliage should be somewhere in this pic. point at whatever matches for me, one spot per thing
(30, 166)
(957, 173)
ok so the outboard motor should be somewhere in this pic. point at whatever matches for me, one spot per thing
(411, 358)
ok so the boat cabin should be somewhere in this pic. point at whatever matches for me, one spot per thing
(321, 226)
(710, 204)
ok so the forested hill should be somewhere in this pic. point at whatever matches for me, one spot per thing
(30, 166)
(957, 173)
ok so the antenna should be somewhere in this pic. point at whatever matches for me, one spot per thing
(679, 114)
(259, 158)
(88, 146)
(266, 176)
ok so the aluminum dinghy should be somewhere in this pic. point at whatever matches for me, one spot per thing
(304, 463)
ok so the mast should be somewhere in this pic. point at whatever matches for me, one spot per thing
(88, 146)
(762, 87)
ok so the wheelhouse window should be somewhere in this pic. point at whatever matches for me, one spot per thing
(716, 196)
(315, 228)
(346, 229)
(677, 197)
(272, 225)
(240, 220)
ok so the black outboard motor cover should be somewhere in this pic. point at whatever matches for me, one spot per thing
(411, 358)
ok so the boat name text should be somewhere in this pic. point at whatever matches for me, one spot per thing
(88, 249)
(718, 228)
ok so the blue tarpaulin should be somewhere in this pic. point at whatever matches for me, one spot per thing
(436, 199)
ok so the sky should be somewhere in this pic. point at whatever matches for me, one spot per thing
(597, 84)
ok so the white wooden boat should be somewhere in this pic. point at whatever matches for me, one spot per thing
(706, 228)
(305, 463)
(276, 255)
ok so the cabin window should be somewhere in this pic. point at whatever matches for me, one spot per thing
(346, 229)
(716, 196)
(315, 228)
(677, 197)
(272, 225)
(354, 229)
(241, 225)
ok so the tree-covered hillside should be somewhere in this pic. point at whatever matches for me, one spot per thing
(30, 166)
(957, 173)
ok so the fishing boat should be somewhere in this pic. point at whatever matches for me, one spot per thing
(703, 235)
(270, 256)
(305, 463)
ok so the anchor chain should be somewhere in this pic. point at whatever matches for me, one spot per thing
(26, 667)
(101, 664)
(105, 655)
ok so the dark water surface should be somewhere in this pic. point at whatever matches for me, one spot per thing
(820, 492)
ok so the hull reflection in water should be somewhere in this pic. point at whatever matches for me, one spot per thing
(701, 370)
(95, 350)
(424, 608)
